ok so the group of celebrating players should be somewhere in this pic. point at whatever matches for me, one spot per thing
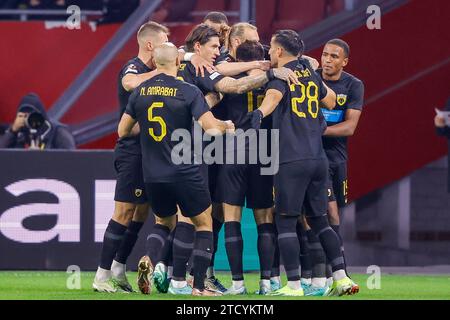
(223, 79)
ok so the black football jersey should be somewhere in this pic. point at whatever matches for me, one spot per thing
(298, 117)
(206, 84)
(349, 95)
(162, 105)
(239, 105)
(133, 66)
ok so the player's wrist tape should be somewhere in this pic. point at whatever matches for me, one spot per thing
(270, 75)
(188, 56)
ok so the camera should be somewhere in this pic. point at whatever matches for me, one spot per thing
(35, 120)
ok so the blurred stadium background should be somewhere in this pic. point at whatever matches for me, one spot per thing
(399, 210)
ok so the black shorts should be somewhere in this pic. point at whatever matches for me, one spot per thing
(130, 185)
(209, 173)
(302, 184)
(240, 182)
(190, 194)
(337, 184)
(213, 171)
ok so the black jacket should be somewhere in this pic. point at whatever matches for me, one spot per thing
(50, 135)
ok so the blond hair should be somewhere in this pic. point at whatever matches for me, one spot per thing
(237, 30)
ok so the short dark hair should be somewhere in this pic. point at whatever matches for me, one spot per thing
(216, 17)
(151, 27)
(250, 51)
(201, 33)
(341, 43)
(290, 40)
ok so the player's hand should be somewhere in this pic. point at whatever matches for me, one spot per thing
(439, 121)
(201, 64)
(229, 127)
(285, 74)
(19, 122)
(256, 117)
(263, 65)
(313, 62)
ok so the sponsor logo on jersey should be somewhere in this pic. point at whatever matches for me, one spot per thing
(214, 75)
(131, 68)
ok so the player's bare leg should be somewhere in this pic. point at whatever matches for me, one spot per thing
(266, 246)
(333, 213)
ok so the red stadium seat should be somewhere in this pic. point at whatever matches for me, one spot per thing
(208, 5)
(265, 14)
(233, 5)
(335, 6)
(298, 14)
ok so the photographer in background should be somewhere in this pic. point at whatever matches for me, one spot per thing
(32, 129)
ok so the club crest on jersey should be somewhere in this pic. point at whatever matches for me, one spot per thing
(341, 99)
(131, 68)
(138, 192)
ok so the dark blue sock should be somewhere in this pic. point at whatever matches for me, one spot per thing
(111, 243)
(317, 255)
(183, 244)
(276, 255)
(156, 240)
(128, 242)
(234, 246)
(217, 226)
(203, 249)
(266, 248)
(329, 241)
(289, 246)
(305, 256)
(335, 227)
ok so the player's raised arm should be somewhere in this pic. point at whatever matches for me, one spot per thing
(132, 81)
(234, 68)
(242, 85)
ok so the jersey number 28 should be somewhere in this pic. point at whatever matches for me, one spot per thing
(311, 91)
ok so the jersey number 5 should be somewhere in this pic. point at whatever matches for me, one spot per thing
(312, 93)
(157, 119)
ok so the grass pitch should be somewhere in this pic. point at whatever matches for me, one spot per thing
(43, 285)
